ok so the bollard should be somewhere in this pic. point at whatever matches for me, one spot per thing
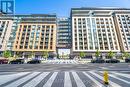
(106, 77)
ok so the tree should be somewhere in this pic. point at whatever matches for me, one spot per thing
(45, 54)
(31, 55)
(16, 56)
(110, 54)
(97, 54)
(7, 54)
(82, 54)
(126, 54)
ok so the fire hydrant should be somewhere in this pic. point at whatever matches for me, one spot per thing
(106, 77)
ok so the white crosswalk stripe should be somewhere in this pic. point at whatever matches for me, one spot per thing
(111, 83)
(78, 80)
(7, 78)
(62, 62)
(67, 82)
(28, 79)
(98, 83)
(120, 79)
(121, 74)
(20, 81)
(50, 81)
(117, 78)
(37, 80)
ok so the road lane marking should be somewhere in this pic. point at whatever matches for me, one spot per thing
(103, 67)
(111, 66)
(51, 80)
(67, 81)
(101, 78)
(95, 81)
(7, 78)
(22, 80)
(36, 80)
(78, 80)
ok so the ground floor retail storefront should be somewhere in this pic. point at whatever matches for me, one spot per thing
(92, 55)
(35, 54)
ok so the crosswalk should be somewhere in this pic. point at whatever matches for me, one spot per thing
(64, 79)
(61, 62)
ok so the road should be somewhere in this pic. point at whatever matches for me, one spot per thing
(63, 67)
(64, 75)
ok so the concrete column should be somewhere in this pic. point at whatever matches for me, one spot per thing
(103, 56)
(14, 54)
(93, 56)
(23, 55)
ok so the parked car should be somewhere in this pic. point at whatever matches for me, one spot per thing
(34, 61)
(3, 61)
(17, 61)
(127, 60)
(112, 61)
(98, 61)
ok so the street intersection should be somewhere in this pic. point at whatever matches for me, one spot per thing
(64, 75)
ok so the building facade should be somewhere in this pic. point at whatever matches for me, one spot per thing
(87, 30)
(5, 30)
(63, 37)
(63, 33)
(122, 22)
(36, 33)
(95, 29)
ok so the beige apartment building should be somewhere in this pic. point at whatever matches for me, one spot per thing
(5, 30)
(122, 22)
(36, 34)
(103, 29)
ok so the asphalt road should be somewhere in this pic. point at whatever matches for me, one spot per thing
(64, 75)
(63, 67)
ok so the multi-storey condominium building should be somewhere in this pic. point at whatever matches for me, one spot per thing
(12, 34)
(87, 30)
(36, 33)
(16, 21)
(63, 37)
(63, 33)
(95, 29)
(122, 22)
(5, 30)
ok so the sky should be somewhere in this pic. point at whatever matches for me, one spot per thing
(62, 7)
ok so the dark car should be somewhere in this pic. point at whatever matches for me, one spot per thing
(112, 61)
(34, 62)
(3, 61)
(17, 61)
(127, 60)
(98, 61)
